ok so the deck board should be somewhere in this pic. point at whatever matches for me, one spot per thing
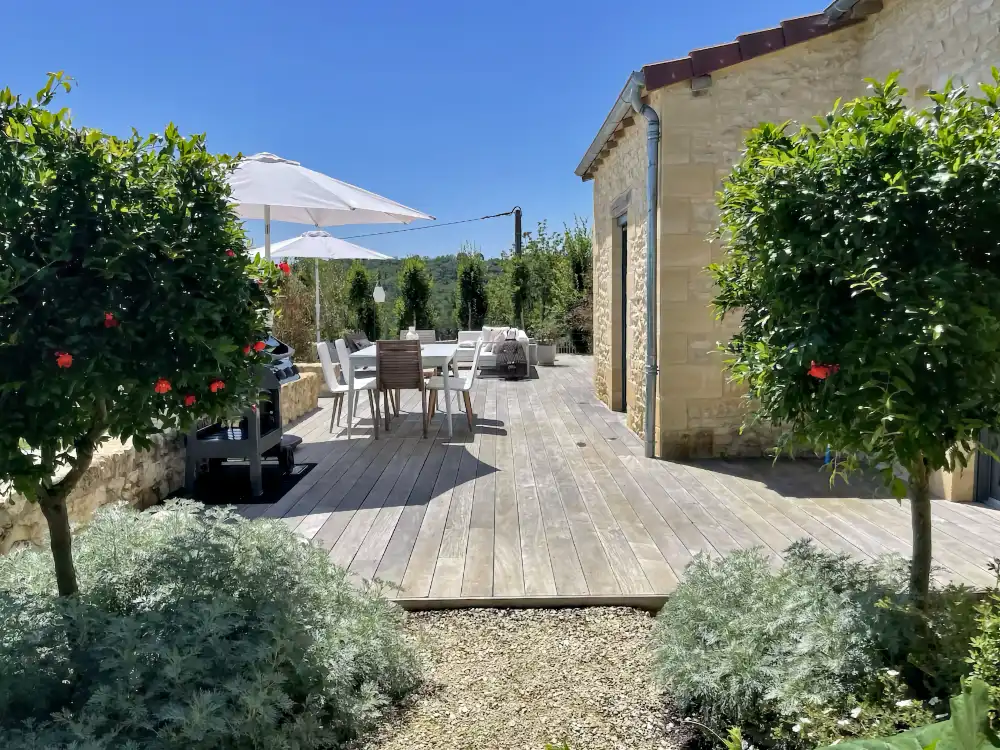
(551, 498)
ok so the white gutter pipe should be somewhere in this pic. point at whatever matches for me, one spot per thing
(652, 180)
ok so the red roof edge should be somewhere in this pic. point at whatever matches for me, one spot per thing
(702, 62)
(665, 73)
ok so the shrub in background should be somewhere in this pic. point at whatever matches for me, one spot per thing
(360, 287)
(470, 307)
(295, 307)
(413, 305)
(968, 727)
(127, 304)
(985, 656)
(741, 644)
(864, 264)
(194, 628)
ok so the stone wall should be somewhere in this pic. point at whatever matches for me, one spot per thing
(300, 397)
(931, 41)
(621, 182)
(317, 369)
(120, 473)
(699, 412)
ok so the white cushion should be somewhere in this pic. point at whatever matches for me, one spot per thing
(362, 384)
(436, 383)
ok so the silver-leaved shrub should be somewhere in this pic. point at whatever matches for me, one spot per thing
(195, 629)
(772, 651)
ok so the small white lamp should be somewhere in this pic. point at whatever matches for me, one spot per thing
(378, 294)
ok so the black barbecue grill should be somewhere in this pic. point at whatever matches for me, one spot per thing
(257, 434)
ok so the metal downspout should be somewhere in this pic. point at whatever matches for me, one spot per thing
(652, 180)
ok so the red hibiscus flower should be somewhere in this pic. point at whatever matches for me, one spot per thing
(189, 400)
(230, 253)
(246, 349)
(259, 346)
(822, 372)
(64, 360)
(285, 268)
(109, 320)
(162, 386)
(216, 386)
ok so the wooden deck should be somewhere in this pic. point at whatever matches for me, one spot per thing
(551, 497)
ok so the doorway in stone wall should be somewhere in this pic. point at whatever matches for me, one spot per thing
(625, 333)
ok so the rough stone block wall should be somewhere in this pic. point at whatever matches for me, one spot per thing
(699, 411)
(931, 41)
(622, 172)
(300, 397)
(120, 473)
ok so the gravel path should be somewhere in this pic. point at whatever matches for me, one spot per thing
(516, 679)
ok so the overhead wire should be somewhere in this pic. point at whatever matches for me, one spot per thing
(431, 226)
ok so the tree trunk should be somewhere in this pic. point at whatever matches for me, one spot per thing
(60, 540)
(52, 500)
(920, 518)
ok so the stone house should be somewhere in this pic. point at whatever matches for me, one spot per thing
(705, 103)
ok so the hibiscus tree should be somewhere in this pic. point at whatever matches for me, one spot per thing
(124, 309)
(863, 259)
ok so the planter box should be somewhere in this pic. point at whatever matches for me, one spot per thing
(546, 354)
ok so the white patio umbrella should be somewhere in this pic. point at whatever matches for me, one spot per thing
(321, 245)
(268, 187)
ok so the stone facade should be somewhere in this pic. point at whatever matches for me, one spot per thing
(621, 191)
(120, 473)
(698, 412)
(930, 41)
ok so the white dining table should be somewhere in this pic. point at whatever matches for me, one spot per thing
(433, 355)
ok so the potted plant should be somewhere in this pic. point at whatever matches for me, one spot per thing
(548, 333)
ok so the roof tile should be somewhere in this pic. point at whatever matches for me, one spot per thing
(665, 73)
(758, 43)
(704, 61)
(807, 27)
(747, 46)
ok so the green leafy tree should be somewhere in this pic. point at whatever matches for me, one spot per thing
(360, 287)
(471, 306)
(295, 313)
(413, 303)
(128, 305)
(519, 282)
(546, 266)
(864, 262)
(578, 245)
(500, 297)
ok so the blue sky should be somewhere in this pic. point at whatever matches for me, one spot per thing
(459, 109)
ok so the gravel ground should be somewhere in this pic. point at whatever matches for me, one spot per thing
(516, 679)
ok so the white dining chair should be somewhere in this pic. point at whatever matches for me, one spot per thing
(457, 385)
(355, 384)
(336, 383)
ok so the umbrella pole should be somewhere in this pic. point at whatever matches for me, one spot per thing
(316, 278)
(267, 233)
